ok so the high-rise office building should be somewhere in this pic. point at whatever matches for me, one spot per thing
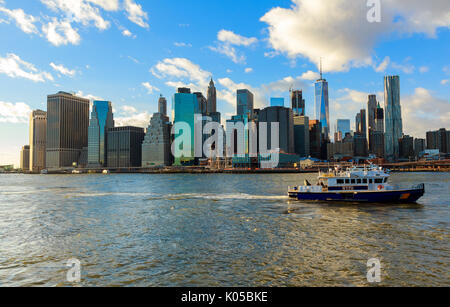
(156, 149)
(283, 116)
(371, 120)
(67, 129)
(202, 103)
(211, 97)
(439, 139)
(25, 158)
(361, 123)
(301, 135)
(393, 117)
(124, 147)
(406, 147)
(379, 119)
(277, 102)
(315, 139)
(342, 128)
(419, 146)
(322, 104)
(298, 103)
(186, 107)
(162, 105)
(38, 140)
(245, 103)
(101, 120)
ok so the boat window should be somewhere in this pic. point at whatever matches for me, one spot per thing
(370, 180)
(365, 181)
(347, 181)
(340, 181)
(378, 180)
(353, 181)
(385, 179)
(359, 181)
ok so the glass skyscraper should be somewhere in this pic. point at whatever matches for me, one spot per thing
(322, 105)
(298, 103)
(185, 108)
(393, 117)
(101, 120)
(245, 103)
(343, 126)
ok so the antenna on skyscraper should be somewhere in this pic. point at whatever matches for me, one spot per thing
(321, 78)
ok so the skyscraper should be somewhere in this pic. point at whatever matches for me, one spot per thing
(301, 135)
(186, 107)
(245, 103)
(379, 119)
(371, 115)
(211, 97)
(124, 147)
(276, 102)
(38, 139)
(342, 128)
(162, 105)
(101, 120)
(298, 103)
(67, 129)
(25, 158)
(283, 116)
(322, 105)
(393, 117)
(156, 146)
(315, 139)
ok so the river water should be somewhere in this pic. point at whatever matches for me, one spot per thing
(215, 230)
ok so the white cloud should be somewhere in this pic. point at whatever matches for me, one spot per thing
(107, 5)
(405, 67)
(13, 66)
(88, 96)
(228, 39)
(422, 112)
(128, 33)
(383, 65)
(136, 119)
(150, 88)
(445, 81)
(235, 39)
(79, 11)
(63, 70)
(129, 109)
(61, 33)
(248, 70)
(423, 69)
(339, 32)
(14, 112)
(310, 75)
(136, 14)
(181, 44)
(24, 21)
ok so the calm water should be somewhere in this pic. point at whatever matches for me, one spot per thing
(214, 230)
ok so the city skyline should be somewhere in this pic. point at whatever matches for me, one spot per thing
(185, 54)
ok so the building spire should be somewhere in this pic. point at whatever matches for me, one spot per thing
(321, 72)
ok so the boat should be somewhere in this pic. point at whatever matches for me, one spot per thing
(368, 184)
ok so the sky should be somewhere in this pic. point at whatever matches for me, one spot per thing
(131, 51)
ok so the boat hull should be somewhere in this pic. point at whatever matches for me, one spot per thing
(397, 196)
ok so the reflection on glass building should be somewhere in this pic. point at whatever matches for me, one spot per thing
(393, 117)
(186, 106)
(343, 127)
(67, 129)
(101, 120)
(298, 103)
(322, 106)
(245, 103)
(277, 102)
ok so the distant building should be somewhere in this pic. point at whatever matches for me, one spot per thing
(202, 102)
(322, 105)
(360, 145)
(25, 158)
(371, 121)
(378, 144)
(439, 139)
(361, 123)
(186, 108)
(406, 148)
(283, 116)
(379, 119)
(67, 129)
(211, 98)
(125, 147)
(342, 128)
(393, 117)
(419, 146)
(315, 139)
(340, 150)
(301, 135)
(297, 103)
(101, 120)
(245, 103)
(277, 102)
(162, 105)
(38, 140)
(156, 148)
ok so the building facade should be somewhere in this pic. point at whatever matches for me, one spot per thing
(406, 148)
(322, 106)
(211, 97)
(419, 146)
(283, 116)
(298, 103)
(101, 120)
(315, 139)
(276, 102)
(25, 158)
(124, 148)
(393, 117)
(342, 128)
(162, 105)
(38, 140)
(371, 120)
(439, 139)
(67, 129)
(301, 136)
(156, 148)
(245, 103)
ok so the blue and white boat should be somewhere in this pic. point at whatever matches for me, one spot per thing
(356, 184)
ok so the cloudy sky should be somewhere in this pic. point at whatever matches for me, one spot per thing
(131, 51)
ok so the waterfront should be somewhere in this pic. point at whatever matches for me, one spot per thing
(215, 230)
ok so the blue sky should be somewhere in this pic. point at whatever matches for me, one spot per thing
(130, 51)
